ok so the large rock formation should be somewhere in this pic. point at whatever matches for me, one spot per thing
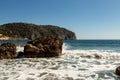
(32, 31)
(43, 47)
(8, 51)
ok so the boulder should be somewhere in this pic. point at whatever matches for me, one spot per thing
(117, 71)
(31, 51)
(8, 50)
(43, 47)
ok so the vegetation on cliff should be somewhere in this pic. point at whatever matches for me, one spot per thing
(32, 31)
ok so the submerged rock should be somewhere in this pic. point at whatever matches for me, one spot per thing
(43, 47)
(117, 71)
(8, 51)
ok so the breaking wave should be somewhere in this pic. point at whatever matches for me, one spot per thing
(99, 54)
(74, 64)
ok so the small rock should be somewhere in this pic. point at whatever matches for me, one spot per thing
(117, 71)
(20, 55)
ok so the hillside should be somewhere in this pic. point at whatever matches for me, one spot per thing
(32, 31)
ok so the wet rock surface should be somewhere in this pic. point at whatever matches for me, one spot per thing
(43, 47)
(8, 51)
(117, 71)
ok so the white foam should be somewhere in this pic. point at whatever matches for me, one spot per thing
(64, 47)
(99, 54)
(72, 65)
(66, 67)
(57, 68)
(20, 48)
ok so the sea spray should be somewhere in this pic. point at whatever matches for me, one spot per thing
(98, 52)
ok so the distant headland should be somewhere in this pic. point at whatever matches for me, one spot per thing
(18, 31)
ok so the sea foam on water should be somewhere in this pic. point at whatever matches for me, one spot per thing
(77, 64)
(98, 54)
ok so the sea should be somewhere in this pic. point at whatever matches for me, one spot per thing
(80, 60)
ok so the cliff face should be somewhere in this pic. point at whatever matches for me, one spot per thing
(32, 31)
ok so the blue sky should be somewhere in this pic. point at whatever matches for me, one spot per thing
(89, 19)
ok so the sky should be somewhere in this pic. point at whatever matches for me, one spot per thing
(89, 19)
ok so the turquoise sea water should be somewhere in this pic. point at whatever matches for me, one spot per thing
(80, 60)
(94, 44)
(82, 44)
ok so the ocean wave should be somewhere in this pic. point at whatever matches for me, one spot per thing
(72, 65)
(98, 54)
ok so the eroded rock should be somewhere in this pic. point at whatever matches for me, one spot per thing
(43, 47)
(8, 50)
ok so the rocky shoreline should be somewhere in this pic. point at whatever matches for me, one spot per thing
(41, 47)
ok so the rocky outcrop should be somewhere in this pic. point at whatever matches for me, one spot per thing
(43, 47)
(117, 71)
(32, 31)
(8, 51)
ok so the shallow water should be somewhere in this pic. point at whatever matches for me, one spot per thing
(66, 67)
(74, 64)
